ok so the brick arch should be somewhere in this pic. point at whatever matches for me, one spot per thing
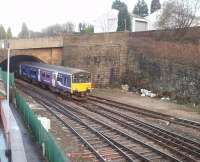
(47, 55)
(15, 60)
(52, 55)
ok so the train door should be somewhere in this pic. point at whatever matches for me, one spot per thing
(54, 79)
(39, 78)
(20, 69)
(68, 81)
(59, 79)
(23, 70)
(28, 69)
(34, 74)
(42, 75)
(63, 80)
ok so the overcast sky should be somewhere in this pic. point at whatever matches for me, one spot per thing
(38, 14)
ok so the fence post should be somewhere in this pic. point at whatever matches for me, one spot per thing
(49, 147)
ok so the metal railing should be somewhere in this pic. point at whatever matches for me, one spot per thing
(51, 150)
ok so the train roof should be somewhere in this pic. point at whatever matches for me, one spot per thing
(62, 69)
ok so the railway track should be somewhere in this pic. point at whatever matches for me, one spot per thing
(170, 140)
(149, 113)
(99, 145)
(96, 142)
(125, 147)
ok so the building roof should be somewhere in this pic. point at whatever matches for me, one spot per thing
(48, 67)
(137, 16)
(153, 19)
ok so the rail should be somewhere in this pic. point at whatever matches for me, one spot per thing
(106, 129)
(44, 138)
(149, 113)
(165, 138)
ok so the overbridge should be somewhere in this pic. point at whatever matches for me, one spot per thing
(48, 50)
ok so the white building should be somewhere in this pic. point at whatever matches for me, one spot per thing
(108, 22)
(139, 23)
(153, 19)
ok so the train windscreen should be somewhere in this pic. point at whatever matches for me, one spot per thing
(81, 78)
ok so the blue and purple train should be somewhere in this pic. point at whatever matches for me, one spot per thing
(66, 81)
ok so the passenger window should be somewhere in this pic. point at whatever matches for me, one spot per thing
(43, 74)
(54, 76)
(33, 72)
(65, 81)
(48, 76)
(59, 78)
(68, 80)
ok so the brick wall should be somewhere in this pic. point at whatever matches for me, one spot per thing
(104, 55)
(154, 60)
(47, 55)
(169, 68)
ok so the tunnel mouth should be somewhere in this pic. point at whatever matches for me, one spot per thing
(16, 60)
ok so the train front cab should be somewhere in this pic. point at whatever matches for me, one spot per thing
(81, 84)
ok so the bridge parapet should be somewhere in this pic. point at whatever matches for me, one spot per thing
(35, 43)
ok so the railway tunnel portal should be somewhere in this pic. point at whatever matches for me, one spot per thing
(16, 60)
(48, 50)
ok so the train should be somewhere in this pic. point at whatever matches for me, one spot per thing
(69, 82)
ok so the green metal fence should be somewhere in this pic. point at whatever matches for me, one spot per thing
(3, 76)
(44, 138)
(52, 151)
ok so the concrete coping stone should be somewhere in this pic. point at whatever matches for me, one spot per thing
(12, 133)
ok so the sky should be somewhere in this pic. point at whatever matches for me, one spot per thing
(38, 14)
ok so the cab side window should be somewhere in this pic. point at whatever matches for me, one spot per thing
(48, 76)
(33, 72)
(75, 79)
(68, 80)
(59, 78)
(65, 81)
(43, 74)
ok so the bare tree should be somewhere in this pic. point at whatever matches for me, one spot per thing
(2, 32)
(108, 22)
(52, 30)
(24, 31)
(178, 14)
(68, 27)
(86, 28)
(58, 29)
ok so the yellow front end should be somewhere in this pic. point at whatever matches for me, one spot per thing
(80, 87)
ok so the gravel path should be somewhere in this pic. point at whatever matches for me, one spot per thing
(154, 104)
